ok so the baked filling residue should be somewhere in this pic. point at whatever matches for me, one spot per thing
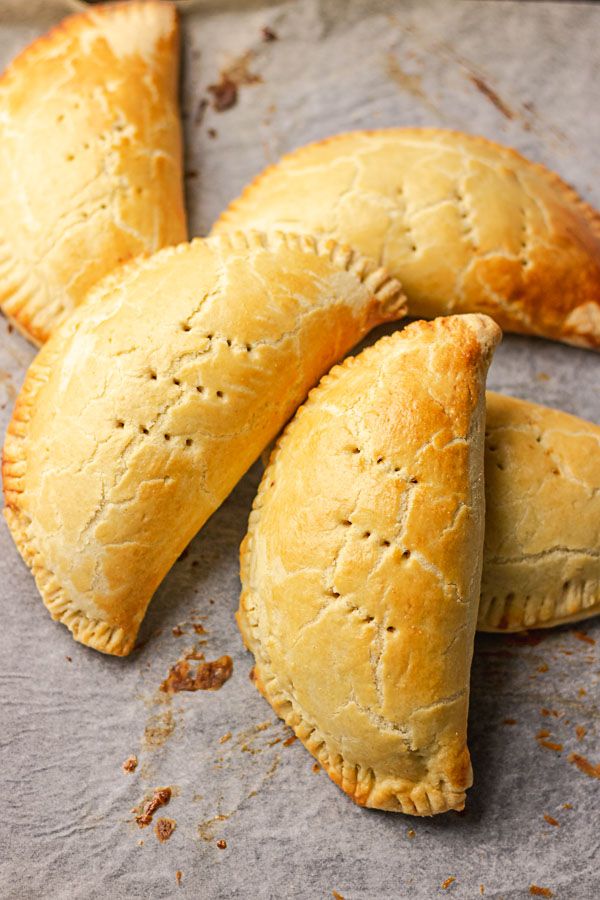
(208, 676)
(160, 798)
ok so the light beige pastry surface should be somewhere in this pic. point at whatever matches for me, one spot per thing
(362, 563)
(90, 157)
(466, 224)
(146, 407)
(542, 538)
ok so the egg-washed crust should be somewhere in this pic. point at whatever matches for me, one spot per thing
(467, 225)
(541, 563)
(146, 407)
(361, 566)
(90, 157)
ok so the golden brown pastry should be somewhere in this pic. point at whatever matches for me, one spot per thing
(466, 224)
(150, 402)
(90, 157)
(362, 563)
(541, 563)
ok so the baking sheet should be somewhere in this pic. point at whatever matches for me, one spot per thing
(522, 73)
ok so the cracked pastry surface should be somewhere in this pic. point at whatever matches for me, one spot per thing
(145, 408)
(90, 157)
(466, 224)
(542, 539)
(362, 562)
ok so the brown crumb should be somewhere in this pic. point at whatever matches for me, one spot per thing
(225, 738)
(551, 745)
(262, 726)
(212, 133)
(209, 676)
(198, 628)
(581, 692)
(542, 733)
(290, 740)
(584, 636)
(446, 884)
(164, 828)
(411, 833)
(222, 845)
(316, 767)
(540, 891)
(580, 731)
(544, 711)
(177, 631)
(224, 94)
(268, 35)
(567, 806)
(68, 659)
(509, 721)
(10, 327)
(178, 876)
(130, 764)
(542, 376)
(482, 889)
(199, 115)
(160, 798)
(252, 674)
(543, 667)
(273, 742)
(195, 654)
(584, 765)
(336, 895)
(551, 820)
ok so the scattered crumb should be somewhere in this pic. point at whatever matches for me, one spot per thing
(198, 628)
(584, 765)
(316, 767)
(551, 745)
(68, 659)
(251, 674)
(580, 731)
(411, 833)
(482, 889)
(178, 630)
(130, 764)
(262, 726)
(510, 722)
(160, 798)
(199, 115)
(222, 845)
(225, 91)
(164, 828)
(542, 733)
(543, 667)
(140, 843)
(275, 741)
(542, 376)
(159, 729)
(209, 676)
(551, 820)
(224, 94)
(567, 806)
(212, 133)
(268, 35)
(446, 884)
(336, 895)
(178, 876)
(540, 891)
(10, 327)
(581, 692)
(584, 636)
(544, 711)
(290, 740)
(225, 738)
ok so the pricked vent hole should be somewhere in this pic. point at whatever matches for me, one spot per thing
(390, 628)
(248, 348)
(176, 381)
(366, 534)
(219, 394)
(379, 459)
(500, 466)
(414, 480)
(228, 342)
(153, 376)
(185, 326)
(188, 442)
(167, 437)
(199, 388)
(119, 423)
(346, 522)
(143, 430)
(355, 450)
(405, 554)
(385, 543)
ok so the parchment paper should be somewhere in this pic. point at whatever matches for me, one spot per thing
(523, 73)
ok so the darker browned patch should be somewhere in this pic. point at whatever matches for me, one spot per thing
(164, 828)
(130, 764)
(491, 95)
(160, 798)
(584, 765)
(209, 676)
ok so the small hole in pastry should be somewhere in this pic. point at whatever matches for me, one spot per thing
(143, 430)
(346, 522)
(539, 439)
(219, 394)
(510, 597)
(199, 388)
(385, 543)
(500, 466)
(367, 534)
(120, 423)
(167, 437)
(379, 459)
(176, 381)
(333, 593)
(368, 618)
(185, 326)
(414, 480)
(248, 348)
(555, 472)
(413, 247)
(396, 468)
(355, 450)
(209, 337)
(492, 448)
(228, 342)
(188, 442)
(406, 554)
(390, 628)
(153, 376)
(566, 584)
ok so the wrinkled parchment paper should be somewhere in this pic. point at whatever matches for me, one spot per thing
(523, 73)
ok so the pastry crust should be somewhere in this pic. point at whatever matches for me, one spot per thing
(466, 224)
(542, 539)
(141, 413)
(90, 157)
(362, 563)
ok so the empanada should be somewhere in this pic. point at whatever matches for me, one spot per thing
(467, 225)
(362, 563)
(151, 401)
(541, 563)
(90, 157)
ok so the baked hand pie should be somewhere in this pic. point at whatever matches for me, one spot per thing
(362, 563)
(145, 408)
(467, 225)
(90, 157)
(541, 563)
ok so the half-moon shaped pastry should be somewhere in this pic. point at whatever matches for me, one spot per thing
(90, 157)
(466, 224)
(541, 563)
(362, 563)
(151, 401)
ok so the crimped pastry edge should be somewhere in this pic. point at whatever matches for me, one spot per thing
(579, 600)
(360, 782)
(93, 632)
